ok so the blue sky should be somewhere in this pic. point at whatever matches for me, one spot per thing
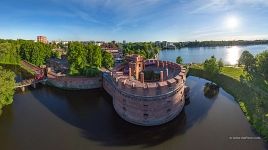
(134, 20)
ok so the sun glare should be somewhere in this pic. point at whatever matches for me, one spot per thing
(233, 54)
(232, 22)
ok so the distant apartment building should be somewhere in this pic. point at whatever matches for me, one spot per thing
(42, 39)
(158, 43)
(170, 45)
(164, 43)
(99, 43)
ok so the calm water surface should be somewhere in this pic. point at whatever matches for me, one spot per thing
(229, 54)
(48, 118)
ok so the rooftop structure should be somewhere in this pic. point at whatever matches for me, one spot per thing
(59, 65)
(110, 47)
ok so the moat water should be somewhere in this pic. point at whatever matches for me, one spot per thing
(229, 54)
(49, 118)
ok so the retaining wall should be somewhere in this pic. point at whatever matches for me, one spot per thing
(76, 83)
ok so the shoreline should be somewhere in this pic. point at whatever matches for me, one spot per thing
(178, 48)
(242, 93)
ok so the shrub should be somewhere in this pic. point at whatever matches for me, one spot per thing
(211, 66)
(91, 71)
(211, 90)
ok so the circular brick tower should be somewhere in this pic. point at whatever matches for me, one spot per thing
(144, 101)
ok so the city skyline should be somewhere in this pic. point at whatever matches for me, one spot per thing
(147, 20)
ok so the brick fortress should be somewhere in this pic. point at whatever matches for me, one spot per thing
(147, 92)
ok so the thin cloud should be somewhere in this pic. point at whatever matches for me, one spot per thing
(204, 6)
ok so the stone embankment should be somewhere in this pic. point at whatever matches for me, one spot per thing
(74, 83)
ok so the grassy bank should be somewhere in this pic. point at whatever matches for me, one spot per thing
(18, 68)
(249, 89)
(29, 71)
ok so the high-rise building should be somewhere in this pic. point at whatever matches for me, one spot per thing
(42, 39)
(164, 43)
(158, 43)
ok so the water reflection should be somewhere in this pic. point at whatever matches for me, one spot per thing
(232, 55)
(50, 118)
(98, 121)
(229, 55)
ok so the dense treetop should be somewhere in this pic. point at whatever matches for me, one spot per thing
(9, 53)
(246, 59)
(7, 84)
(262, 63)
(35, 53)
(179, 60)
(12, 51)
(211, 66)
(218, 43)
(85, 59)
(147, 50)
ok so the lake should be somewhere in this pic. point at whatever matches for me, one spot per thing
(49, 118)
(229, 54)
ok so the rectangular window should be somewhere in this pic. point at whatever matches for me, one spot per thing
(145, 116)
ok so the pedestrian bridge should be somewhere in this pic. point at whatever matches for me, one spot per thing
(28, 82)
(39, 76)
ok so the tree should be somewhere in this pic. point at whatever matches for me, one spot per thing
(247, 59)
(107, 60)
(96, 56)
(91, 71)
(220, 64)
(85, 59)
(93, 55)
(179, 60)
(262, 63)
(76, 57)
(146, 49)
(7, 84)
(35, 53)
(8, 53)
(56, 54)
(211, 66)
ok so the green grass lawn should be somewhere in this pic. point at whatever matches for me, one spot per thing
(249, 89)
(235, 73)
